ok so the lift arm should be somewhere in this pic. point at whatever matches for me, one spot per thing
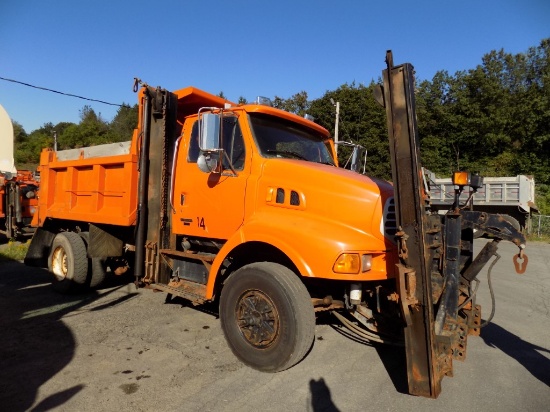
(436, 265)
(422, 351)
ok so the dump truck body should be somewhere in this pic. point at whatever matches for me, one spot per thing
(96, 184)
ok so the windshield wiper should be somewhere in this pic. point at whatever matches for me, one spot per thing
(286, 152)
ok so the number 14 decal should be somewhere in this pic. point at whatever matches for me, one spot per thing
(200, 223)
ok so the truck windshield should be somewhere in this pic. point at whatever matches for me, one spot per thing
(278, 137)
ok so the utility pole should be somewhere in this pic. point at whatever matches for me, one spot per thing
(55, 141)
(337, 105)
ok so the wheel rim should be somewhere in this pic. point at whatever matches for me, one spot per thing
(59, 263)
(257, 319)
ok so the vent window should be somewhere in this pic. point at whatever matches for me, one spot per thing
(280, 196)
(294, 198)
(389, 222)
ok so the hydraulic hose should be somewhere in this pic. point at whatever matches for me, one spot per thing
(365, 334)
(492, 292)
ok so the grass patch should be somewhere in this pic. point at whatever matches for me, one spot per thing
(14, 250)
(541, 238)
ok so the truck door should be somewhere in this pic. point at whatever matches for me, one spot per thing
(211, 205)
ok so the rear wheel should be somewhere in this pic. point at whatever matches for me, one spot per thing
(267, 316)
(68, 262)
(97, 265)
(99, 271)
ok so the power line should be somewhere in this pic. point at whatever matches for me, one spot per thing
(58, 92)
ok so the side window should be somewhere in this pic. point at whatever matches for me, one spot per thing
(194, 150)
(232, 143)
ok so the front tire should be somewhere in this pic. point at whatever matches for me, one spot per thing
(68, 262)
(267, 316)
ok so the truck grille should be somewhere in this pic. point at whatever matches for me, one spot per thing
(388, 225)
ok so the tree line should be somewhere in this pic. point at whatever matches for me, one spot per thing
(494, 119)
(90, 131)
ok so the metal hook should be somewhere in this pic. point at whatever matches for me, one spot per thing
(137, 82)
(520, 262)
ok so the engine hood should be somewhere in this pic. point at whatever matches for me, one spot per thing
(350, 203)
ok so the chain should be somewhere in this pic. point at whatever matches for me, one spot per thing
(164, 180)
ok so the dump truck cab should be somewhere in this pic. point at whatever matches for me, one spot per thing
(259, 186)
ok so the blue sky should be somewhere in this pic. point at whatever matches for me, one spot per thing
(243, 48)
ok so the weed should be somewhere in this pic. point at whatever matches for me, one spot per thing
(14, 250)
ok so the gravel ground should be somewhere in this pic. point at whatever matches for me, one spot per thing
(129, 350)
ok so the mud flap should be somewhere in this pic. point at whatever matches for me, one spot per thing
(39, 249)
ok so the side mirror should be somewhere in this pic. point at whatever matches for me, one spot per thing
(209, 137)
(356, 158)
(208, 162)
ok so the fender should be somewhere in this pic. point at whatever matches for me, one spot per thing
(297, 236)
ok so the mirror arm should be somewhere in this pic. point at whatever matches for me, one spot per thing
(230, 164)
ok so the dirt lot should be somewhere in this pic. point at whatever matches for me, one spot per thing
(128, 350)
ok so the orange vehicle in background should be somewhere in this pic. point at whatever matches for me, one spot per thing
(18, 201)
(245, 205)
(18, 188)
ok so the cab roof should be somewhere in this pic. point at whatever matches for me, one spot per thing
(191, 99)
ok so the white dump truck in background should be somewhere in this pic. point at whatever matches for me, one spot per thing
(513, 196)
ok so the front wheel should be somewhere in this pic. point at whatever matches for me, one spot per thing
(68, 262)
(267, 316)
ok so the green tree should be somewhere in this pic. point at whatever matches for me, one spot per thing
(92, 130)
(361, 121)
(297, 103)
(27, 152)
(123, 124)
(20, 135)
(494, 118)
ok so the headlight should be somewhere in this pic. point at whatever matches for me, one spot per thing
(352, 263)
(366, 263)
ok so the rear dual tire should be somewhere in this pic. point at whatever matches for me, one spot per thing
(68, 262)
(97, 266)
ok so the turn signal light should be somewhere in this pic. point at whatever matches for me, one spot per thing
(468, 179)
(461, 178)
(347, 263)
(352, 263)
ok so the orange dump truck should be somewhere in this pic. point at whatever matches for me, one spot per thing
(244, 205)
